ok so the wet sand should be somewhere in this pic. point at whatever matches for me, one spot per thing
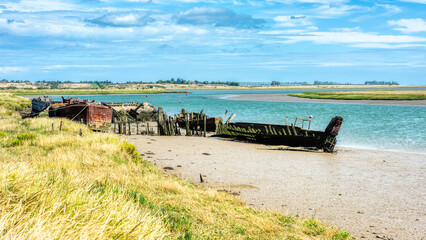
(370, 193)
(287, 98)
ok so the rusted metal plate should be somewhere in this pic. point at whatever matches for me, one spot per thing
(98, 116)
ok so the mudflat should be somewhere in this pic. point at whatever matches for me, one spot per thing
(370, 193)
(287, 98)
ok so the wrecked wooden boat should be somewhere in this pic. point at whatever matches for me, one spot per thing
(39, 105)
(96, 116)
(144, 112)
(289, 135)
(196, 121)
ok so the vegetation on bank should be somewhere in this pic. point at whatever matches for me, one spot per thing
(366, 95)
(60, 185)
(89, 91)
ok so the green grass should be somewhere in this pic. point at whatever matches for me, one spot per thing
(366, 95)
(60, 185)
(87, 91)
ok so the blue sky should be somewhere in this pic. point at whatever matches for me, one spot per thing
(214, 40)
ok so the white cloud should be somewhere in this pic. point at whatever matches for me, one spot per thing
(415, 1)
(75, 66)
(5, 70)
(387, 46)
(311, 1)
(409, 25)
(390, 9)
(328, 11)
(292, 21)
(352, 37)
(39, 5)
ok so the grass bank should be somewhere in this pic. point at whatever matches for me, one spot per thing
(60, 185)
(366, 95)
(88, 91)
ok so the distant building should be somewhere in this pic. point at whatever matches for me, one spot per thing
(4, 81)
(191, 82)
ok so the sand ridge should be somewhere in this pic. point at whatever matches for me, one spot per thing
(286, 98)
(369, 193)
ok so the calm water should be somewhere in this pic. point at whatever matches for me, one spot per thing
(400, 128)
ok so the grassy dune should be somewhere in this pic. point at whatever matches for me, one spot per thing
(367, 95)
(87, 91)
(60, 185)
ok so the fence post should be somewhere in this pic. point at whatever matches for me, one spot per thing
(137, 127)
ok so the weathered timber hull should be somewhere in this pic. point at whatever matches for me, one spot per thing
(198, 124)
(96, 116)
(39, 105)
(288, 135)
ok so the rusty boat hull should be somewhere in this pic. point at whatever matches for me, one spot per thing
(94, 115)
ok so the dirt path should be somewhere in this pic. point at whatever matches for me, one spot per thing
(370, 193)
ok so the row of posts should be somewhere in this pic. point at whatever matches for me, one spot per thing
(166, 126)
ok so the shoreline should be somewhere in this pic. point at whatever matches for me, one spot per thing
(286, 98)
(368, 192)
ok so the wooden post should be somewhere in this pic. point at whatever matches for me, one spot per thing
(196, 125)
(124, 128)
(130, 127)
(187, 124)
(137, 127)
(60, 126)
(224, 115)
(160, 114)
(114, 126)
(172, 126)
(205, 125)
(147, 128)
(192, 121)
(230, 118)
(81, 133)
(53, 127)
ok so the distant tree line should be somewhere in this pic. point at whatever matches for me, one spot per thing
(381, 83)
(183, 81)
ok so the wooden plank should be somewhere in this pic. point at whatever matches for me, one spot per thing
(294, 129)
(288, 130)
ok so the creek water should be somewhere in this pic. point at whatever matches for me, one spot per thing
(385, 127)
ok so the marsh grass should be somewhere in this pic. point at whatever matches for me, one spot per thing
(366, 95)
(60, 185)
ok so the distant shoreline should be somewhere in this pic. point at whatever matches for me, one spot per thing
(287, 98)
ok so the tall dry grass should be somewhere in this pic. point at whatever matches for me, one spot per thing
(60, 185)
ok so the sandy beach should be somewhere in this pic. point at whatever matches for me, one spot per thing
(372, 194)
(287, 98)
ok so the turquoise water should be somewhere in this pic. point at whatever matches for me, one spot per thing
(400, 128)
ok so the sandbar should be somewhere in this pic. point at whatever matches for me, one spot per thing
(370, 193)
(287, 98)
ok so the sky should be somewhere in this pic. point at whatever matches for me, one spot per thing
(214, 40)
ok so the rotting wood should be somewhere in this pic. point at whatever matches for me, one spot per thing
(284, 134)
